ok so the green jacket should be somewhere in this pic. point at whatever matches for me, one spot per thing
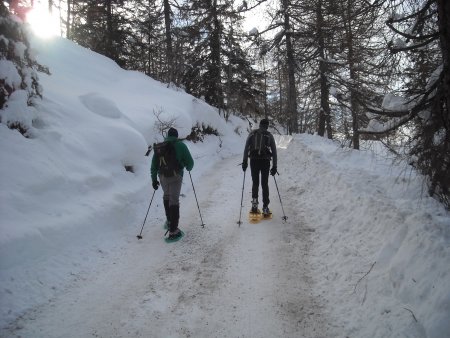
(183, 156)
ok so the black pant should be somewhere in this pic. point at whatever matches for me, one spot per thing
(260, 166)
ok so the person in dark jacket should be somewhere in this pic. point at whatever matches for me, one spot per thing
(172, 185)
(260, 147)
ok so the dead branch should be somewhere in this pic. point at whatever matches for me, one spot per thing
(162, 126)
(354, 291)
(411, 313)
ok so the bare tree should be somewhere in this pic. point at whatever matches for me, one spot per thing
(421, 33)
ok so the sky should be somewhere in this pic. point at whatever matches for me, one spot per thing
(46, 25)
(364, 251)
(257, 17)
(42, 22)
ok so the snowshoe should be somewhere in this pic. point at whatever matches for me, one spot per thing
(266, 213)
(254, 216)
(174, 237)
(267, 216)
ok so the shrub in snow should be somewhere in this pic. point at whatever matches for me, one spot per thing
(19, 82)
(198, 132)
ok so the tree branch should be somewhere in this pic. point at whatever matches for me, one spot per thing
(409, 36)
(364, 276)
(411, 313)
(395, 50)
(423, 10)
(391, 127)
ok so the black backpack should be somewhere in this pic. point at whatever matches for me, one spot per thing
(260, 144)
(167, 160)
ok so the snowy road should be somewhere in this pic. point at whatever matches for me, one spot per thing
(219, 281)
(365, 251)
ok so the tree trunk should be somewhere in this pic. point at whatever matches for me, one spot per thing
(214, 94)
(167, 21)
(354, 106)
(69, 14)
(324, 113)
(280, 85)
(292, 91)
(265, 88)
(109, 30)
(444, 30)
(230, 76)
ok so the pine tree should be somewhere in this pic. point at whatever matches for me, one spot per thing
(217, 65)
(19, 81)
(169, 50)
(204, 78)
(363, 65)
(284, 42)
(146, 39)
(101, 26)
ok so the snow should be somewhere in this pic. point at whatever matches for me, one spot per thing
(19, 49)
(399, 43)
(10, 74)
(17, 110)
(435, 76)
(394, 102)
(364, 251)
(253, 32)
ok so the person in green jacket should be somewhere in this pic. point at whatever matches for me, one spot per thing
(171, 184)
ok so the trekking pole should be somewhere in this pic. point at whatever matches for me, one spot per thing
(203, 224)
(140, 234)
(242, 197)
(284, 218)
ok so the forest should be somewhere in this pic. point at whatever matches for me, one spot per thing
(348, 70)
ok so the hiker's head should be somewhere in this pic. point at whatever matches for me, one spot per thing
(264, 124)
(172, 132)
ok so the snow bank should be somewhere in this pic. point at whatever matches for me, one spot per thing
(382, 246)
(71, 185)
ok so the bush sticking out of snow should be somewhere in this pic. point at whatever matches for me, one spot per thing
(199, 131)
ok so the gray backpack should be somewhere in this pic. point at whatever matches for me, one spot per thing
(260, 144)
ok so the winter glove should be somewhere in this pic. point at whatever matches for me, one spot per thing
(244, 166)
(155, 184)
(273, 171)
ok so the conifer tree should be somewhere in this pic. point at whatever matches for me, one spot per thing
(101, 26)
(19, 81)
(217, 65)
(146, 47)
(361, 61)
(284, 41)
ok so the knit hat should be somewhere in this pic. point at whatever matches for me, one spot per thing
(172, 132)
(264, 123)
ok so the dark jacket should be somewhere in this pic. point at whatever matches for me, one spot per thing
(183, 156)
(269, 141)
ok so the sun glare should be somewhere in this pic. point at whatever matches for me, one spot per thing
(42, 23)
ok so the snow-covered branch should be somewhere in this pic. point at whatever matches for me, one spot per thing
(398, 48)
(376, 128)
(411, 36)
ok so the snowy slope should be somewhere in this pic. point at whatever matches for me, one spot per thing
(381, 251)
(68, 185)
(364, 252)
